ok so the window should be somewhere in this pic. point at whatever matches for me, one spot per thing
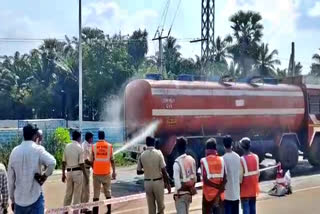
(314, 104)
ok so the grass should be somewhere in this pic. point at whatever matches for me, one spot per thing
(123, 159)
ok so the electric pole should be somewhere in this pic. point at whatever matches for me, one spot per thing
(80, 70)
(292, 63)
(161, 61)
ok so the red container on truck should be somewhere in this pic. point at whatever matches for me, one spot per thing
(280, 119)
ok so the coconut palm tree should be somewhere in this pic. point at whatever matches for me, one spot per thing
(315, 67)
(172, 55)
(281, 73)
(266, 61)
(298, 68)
(221, 49)
(247, 33)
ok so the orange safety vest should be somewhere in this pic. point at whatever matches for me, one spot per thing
(250, 182)
(188, 175)
(102, 151)
(214, 168)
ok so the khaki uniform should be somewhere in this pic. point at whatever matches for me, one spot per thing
(73, 156)
(105, 181)
(152, 162)
(85, 195)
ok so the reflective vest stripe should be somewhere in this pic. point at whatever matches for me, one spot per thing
(106, 159)
(245, 166)
(185, 178)
(213, 175)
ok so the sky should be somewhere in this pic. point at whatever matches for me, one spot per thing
(284, 21)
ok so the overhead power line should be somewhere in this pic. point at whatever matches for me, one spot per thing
(174, 17)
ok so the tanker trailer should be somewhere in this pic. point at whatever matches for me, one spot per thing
(275, 117)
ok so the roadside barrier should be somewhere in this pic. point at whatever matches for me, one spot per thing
(90, 205)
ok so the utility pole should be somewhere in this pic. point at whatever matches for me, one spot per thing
(80, 69)
(292, 63)
(161, 61)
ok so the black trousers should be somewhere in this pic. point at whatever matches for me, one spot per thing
(231, 207)
(212, 207)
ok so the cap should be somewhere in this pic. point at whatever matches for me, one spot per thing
(245, 143)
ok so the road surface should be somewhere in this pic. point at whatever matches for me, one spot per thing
(305, 199)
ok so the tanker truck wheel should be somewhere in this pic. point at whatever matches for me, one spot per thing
(314, 152)
(288, 153)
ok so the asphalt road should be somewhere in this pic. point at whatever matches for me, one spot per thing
(305, 199)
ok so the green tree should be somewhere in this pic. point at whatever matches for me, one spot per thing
(233, 70)
(281, 73)
(221, 49)
(247, 34)
(298, 68)
(315, 67)
(266, 61)
(138, 47)
(187, 66)
(172, 56)
(15, 85)
(219, 65)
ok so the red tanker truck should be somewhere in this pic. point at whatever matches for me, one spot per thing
(282, 120)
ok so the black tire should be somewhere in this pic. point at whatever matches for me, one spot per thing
(314, 152)
(288, 153)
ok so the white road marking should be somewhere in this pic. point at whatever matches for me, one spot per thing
(199, 197)
(227, 112)
(146, 207)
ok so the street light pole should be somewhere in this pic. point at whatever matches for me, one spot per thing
(80, 70)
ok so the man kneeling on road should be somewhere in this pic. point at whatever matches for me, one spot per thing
(184, 174)
(214, 179)
(151, 164)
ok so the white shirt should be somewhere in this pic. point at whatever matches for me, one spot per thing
(233, 171)
(25, 161)
(177, 174)
(87, 148)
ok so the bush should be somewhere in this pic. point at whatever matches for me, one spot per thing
(56, 142)
(122, 159)
(6, 149)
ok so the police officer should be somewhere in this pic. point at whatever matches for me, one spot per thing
(184, 175)
(73, 161)
(214, 179)
(151, 163)
(102, 158)
(87, 147)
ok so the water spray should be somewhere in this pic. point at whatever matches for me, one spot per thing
(145, 132)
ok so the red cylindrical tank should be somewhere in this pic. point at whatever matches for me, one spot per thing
(197, 108)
